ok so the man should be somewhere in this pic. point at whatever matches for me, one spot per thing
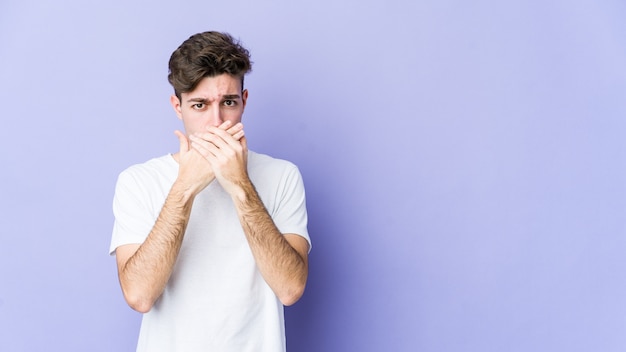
(211, 241)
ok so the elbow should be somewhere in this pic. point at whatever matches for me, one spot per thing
(138, 303)
(292, 295)
(140, 307)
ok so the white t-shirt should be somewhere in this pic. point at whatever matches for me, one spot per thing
(216, 299)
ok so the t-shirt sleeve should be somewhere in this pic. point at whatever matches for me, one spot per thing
(290, 215)
(133, 217)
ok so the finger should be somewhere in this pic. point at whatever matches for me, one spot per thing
(236, 128)
(183, 141)
(244, 143)
(236, 131)
(213, 139)
(238, 135)
(201, 146)
(244, 146)
(206, 138)
(232, 130)
(223, 135)
(225, 125)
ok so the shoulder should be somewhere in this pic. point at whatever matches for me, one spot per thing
(156, 165)
(267, 172)
(157, 169)
(263, 162)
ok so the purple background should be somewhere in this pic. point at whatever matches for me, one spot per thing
(464, 163)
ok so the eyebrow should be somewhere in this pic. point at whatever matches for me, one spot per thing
(204, 100)
(196, 100)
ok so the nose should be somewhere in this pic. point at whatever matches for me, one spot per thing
(214, 116)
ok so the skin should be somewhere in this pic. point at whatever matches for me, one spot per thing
(213, 148)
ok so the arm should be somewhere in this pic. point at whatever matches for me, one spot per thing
(145, 269)
(281, 259)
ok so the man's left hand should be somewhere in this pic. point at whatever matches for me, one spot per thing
(227, 153)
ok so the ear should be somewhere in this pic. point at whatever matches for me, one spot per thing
(244, 97)
(176, 105)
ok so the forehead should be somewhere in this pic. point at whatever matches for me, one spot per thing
(216, 86)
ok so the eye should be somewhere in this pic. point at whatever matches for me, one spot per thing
(197, 106)
(230, 102)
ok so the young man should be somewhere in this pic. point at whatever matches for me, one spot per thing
(211, 241)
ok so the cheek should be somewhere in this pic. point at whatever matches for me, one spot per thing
(233, 115)
(191, 125)
(233, 118)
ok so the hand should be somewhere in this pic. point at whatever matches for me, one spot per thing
(226, 150)
(195, 172)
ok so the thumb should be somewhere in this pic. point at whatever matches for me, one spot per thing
(244, 145)
(184, 142)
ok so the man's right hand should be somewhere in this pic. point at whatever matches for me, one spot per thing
(195, 172)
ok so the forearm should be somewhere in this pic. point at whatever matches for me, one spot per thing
(283, 268)
(144, 274)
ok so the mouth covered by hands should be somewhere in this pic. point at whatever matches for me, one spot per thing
(218, 152)
(225, 149)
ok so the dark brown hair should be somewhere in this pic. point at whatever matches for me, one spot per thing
(207, 54)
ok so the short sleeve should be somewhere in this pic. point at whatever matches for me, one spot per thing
(133, 217)
(290, 214)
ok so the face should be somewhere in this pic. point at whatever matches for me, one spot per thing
(215, 100)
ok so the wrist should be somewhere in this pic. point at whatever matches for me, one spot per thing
(183, 191)
(243, 191)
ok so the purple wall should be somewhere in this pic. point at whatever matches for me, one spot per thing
(465, 165)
